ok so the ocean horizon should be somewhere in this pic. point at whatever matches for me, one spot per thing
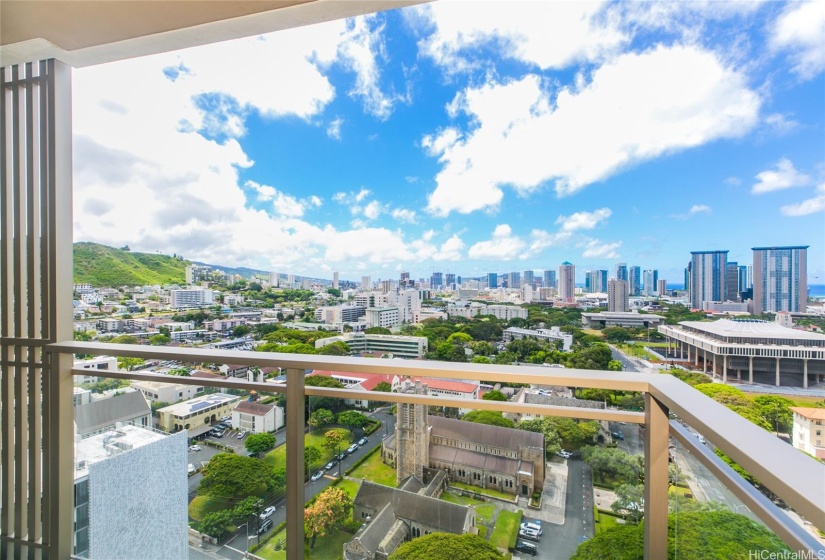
(814, 290)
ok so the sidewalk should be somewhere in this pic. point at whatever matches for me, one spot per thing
(554, 498)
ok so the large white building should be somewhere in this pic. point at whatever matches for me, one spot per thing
(340, 314)
(780, 279)
(616, 319)
(106, 363)
(196, 415)
(190, 298)
(131, 495)
(764, 351)
(397, 345)
(386, 317)
(808, 430)
(567, 281)
(553, 334)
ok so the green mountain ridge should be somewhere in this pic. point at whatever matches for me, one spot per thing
(103, 266)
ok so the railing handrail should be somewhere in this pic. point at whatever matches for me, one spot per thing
(797, 479)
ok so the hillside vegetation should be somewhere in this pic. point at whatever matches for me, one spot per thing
(103, 266)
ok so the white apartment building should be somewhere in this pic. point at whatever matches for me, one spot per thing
(190, 298)
(397, 345)
(109, 325)
(170, 393)
(505, 312)
(427, 313)
(83, 288)
(618, 296)
(340, 314)
(96, 363)
(553, 334)
(386, 317)
(233, 300)
(808, 429)
(177, 326)
(223, 325)
(81, 396)
(257, 418)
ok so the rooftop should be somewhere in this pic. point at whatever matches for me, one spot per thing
(199, 403)
(810, 413)
(258, 409)
(99, 447)
(751, 328)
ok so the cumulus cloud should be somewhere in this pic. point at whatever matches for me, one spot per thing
(546, 35)
(503, 246)
(595, 249)
(807, 207)
(784, 176)
(644, 105)
(334, 128)
(373, 210)
(584, 220)
(695, 209)
(799, 31)
(404, 215)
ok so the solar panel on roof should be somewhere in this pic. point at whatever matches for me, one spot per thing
(199, 406)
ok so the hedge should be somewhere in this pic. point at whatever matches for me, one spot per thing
(362, 459)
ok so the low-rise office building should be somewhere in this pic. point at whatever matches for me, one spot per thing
(196, 414)
(398, 345)
(617, 319)
(257, 417)
(553, 334)
(169, 393)
(765, 352)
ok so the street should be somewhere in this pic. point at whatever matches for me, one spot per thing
(559, 542)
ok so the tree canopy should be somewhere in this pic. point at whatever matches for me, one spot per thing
(236, 477)
(494, 396)
(716, 535)
(490, 417)
(258, 443)
(352, 419)
(331, 508)
(446, 546)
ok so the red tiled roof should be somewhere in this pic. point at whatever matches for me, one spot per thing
(257, 409)
(446, 385)
(368, 380)
(206, 375)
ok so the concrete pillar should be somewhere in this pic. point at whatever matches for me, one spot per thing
(805, 373)
(705, 361)
(739, 374)
(682, 344)
(750, 370)
(724, 369)
(777, 371)
(656, 441)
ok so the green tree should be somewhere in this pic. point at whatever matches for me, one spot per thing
(241, 330)
(235, 477)
(552, 441)
(330, 510)
(159, 340)
(614, 365)
(494, 396)
(611, 464)
(491, 417)
(776, 411)
(334, 292)
(449, 352)
(383, 387)
(459, 338)
(352, 419)
(715, 535)
(481, 360)
(217, 524)
(83, 336)
(311, 457)
(446, 546)
(324, 402)
(339, 348)
(157, 405)
(615, 335)
(629, 502)
(125, 339)
(258, 443)
(505, 358)
(377, 330)
(321, 417)
(129, 364)
(333, 439)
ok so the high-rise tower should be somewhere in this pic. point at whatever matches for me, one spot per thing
(780, 279)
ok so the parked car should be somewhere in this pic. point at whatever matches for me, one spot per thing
(218, 434)
(529, 535)
(341, 456)
(564, 454)
(265, 526)
(226, 419)
(331, 465)
(363, 441)
(317, 476)
(267, 513)
(618, 435)
(531, 527)
(191, 468)
(194, 448)
(241, 434)
(527, 548)
(352, 448)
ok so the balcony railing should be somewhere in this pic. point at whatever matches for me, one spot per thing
(798, 480)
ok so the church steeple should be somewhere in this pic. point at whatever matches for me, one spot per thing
(412, 439)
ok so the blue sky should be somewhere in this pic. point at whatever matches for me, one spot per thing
(467, 137)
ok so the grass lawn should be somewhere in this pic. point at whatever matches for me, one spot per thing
(373, 469)
(797, 400)
(654, 344)
(605, 522)
(482, 531)
(634, 350)
(350, 487)
(328, 546)
(484, 511)
(679, 490)
(485, 491)
(506, 529)
(277, 457)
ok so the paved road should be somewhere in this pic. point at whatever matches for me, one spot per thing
(629, 363)
(559, 542)
(239, 541)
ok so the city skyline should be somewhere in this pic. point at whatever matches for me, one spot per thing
(392, 142)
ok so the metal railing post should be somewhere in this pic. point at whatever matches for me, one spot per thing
(656, 478)
(295, 464)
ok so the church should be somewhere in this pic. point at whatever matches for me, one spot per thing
(506, 459)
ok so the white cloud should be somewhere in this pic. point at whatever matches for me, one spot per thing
(595, 249)
(583, 220)
(373, 210)
(733, 181)
(541, 240)
(334, 128)
(404, 215)
(544, 34)
(283, 204)
(785, 176)
(363, 45)
(806, 207)
(642, 105)
(451, 250)
(800, 31)
(780, 123)
(700, 209)
(503, 246)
